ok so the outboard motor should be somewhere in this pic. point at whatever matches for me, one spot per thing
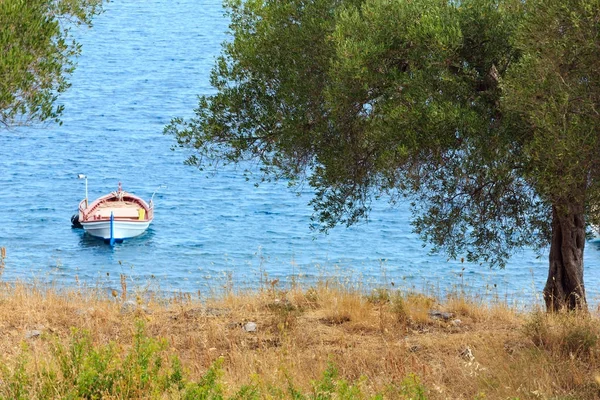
(75, 224)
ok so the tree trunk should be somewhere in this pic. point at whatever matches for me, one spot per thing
(564, 287)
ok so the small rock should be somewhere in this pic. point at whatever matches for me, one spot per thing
(249, 327)
(456, 322)
(32, 334)
(441, 315)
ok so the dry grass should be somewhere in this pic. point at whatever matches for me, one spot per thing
(480, 351)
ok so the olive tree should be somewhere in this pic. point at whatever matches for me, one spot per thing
(554, 89)
(480, 113)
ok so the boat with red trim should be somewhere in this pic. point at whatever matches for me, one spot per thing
(116, 216)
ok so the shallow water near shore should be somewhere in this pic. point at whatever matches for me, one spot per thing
(142, 64)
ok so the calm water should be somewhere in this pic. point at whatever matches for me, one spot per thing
(143, 63)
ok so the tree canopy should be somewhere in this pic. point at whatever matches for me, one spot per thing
(482, 113)
(37, 54)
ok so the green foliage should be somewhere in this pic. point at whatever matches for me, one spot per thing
(574, 335)
(16, 382)
(82, 370)
(209, 386)
(379, 296)
(330, 387)
(376, 98)
(37, 54)
(412, 389)
(396, 301)
(269, 103)
(482, 113)
(285, 315)
(555, 89)
(537, 328)
(399, 308)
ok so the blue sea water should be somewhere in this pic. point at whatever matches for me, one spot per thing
(143, 63)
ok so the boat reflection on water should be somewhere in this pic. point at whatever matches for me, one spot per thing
(88, 241)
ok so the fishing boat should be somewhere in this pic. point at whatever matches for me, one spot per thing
(116, 216)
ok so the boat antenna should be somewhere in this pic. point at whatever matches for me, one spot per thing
(82, 176)
(156, 190)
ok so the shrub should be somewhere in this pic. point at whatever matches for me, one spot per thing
(81, 370)
(569, 333)
(399, 309)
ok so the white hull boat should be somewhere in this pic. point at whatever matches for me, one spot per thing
(121, 229)
(116, 216)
